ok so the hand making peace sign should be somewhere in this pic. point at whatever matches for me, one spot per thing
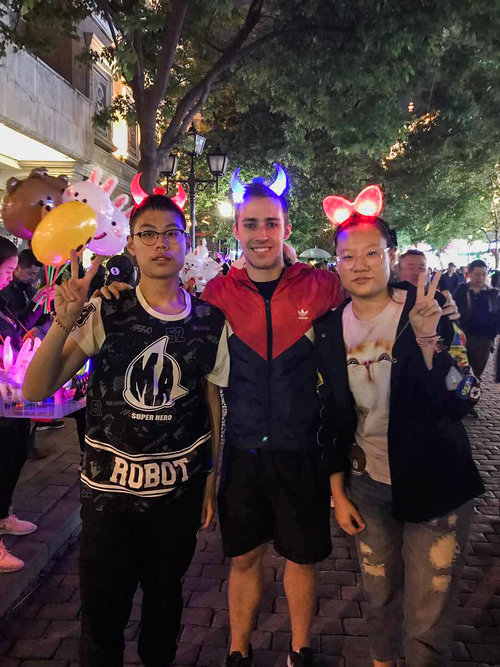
(425, 314)
(71, 295)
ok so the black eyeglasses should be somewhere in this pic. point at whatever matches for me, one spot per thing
(172, 236)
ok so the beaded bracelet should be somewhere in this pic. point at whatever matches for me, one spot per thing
(60, 324)
(427, 341)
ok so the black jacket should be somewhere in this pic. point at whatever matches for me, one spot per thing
(10, 326)
(485, 319)
(18, 298)
(448, 282)
(432, 470)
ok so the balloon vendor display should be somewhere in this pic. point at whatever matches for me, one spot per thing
(12, 371)
(66, 400)
(58, 217)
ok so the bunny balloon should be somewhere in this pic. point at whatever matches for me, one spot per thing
(111, 236)
(98, 197)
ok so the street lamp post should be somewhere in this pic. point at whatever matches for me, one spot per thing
(217, 163)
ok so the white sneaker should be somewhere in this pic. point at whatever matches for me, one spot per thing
(8, 562)
(14, 526)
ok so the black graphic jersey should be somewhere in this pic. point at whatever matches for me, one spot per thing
(148, 429)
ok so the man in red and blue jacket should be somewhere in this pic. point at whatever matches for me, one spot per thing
(274, 485)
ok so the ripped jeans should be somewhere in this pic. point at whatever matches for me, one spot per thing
(412, 568)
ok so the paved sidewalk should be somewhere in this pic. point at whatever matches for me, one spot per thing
(47, 493)
(45, 629)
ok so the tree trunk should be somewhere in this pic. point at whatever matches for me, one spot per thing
(148, 164)
(496, 247)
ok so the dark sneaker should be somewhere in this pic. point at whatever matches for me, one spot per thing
(236, 659)
(302, 658)
(42, 426)
(473, 414)
(56, 423)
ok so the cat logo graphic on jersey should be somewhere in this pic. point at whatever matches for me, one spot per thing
(152, 379)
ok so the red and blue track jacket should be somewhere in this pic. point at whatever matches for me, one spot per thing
(271, 396)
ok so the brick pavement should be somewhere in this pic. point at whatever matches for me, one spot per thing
(47, 493)
(45, 630)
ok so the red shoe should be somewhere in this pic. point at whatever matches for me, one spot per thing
(9, 562)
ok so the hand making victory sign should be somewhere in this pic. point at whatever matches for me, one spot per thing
(71, 295)
(425, 314)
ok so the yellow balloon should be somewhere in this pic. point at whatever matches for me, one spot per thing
(67, 227)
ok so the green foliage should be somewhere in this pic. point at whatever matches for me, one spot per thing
(325, 92)
(30, 23)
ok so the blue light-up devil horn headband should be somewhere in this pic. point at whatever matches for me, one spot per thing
(237, 188)
(278, 186)
(280, 183)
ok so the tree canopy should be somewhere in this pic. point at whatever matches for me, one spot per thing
(322, 87)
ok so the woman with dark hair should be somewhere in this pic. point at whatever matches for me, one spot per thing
(402, 474)
(8, 261)
(14, 433)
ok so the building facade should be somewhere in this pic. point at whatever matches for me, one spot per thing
(47, 107)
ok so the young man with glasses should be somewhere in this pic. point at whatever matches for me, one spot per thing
(153, 425)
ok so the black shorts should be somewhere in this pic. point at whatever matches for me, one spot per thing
(283, 497)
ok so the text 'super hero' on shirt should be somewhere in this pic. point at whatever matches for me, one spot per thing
(148, 429)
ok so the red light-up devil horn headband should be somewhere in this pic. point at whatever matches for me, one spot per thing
(181, 197)
(139, 194)
(369, 203)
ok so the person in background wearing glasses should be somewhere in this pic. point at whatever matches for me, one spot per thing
(153, 428)
(403, 477)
